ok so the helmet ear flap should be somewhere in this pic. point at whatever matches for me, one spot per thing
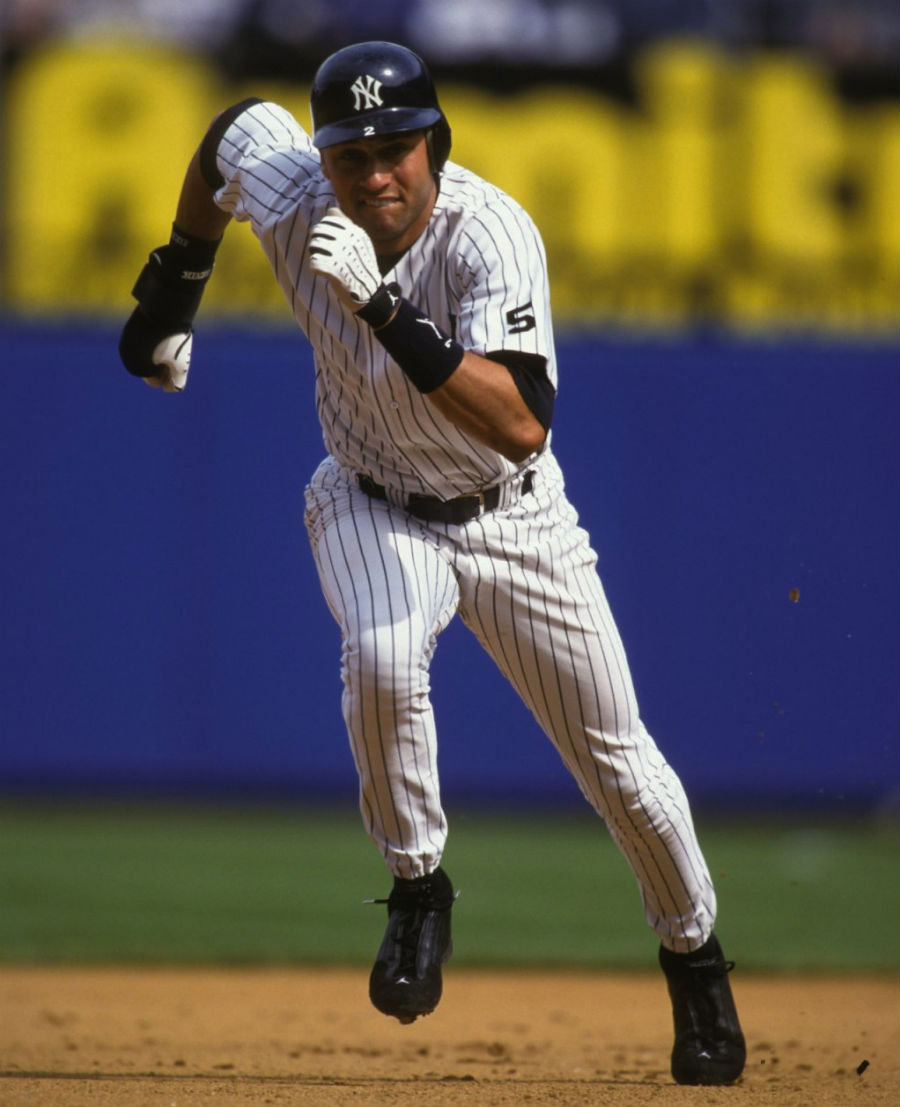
(444, 139)
(437, 138)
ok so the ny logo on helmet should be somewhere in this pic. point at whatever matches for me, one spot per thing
(366, 93)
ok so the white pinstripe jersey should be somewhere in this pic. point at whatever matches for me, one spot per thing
(479, 271)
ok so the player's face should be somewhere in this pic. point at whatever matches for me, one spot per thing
(385, 185)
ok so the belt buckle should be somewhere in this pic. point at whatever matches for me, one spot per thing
(463, 509)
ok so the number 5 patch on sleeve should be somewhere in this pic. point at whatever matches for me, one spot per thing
(521, 319)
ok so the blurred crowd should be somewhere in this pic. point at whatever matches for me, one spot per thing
(505, 42)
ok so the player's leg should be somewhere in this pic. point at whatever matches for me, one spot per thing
(544, 617)
(391, 594)
(542, 614)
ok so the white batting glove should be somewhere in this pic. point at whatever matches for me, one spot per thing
(173, 355)
(343, 252)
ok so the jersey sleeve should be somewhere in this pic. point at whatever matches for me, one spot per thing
(261, 157)
(503, 296)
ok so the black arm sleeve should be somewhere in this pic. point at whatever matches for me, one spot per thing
(210, 144)
(529, 371)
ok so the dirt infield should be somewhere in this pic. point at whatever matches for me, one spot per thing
(198, 1037)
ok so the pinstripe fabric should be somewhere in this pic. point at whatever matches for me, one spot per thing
(523, 578)
(524, 581)
(480, 257)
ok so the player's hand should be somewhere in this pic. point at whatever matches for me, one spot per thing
(156, 341)
(343, 252)
(162, 360)
(173, 356)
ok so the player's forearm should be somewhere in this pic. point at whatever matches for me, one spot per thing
(481, 398)
(197, 213)
(477, 394)
(156, 341)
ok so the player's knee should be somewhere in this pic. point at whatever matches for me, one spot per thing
(381, 666)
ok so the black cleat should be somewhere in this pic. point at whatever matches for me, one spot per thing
(709, 1045)
(406, 978)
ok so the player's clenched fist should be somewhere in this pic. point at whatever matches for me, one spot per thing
(156, 340)
(162, 362)
(343, 252)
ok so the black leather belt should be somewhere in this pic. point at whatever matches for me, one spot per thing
(460, 510)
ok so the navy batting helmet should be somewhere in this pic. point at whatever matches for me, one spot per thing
(376, 88)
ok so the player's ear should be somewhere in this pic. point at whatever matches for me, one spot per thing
(324, 158)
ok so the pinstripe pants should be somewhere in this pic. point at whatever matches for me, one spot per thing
(524, 581)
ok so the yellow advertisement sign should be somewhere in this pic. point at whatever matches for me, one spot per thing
(738, 191)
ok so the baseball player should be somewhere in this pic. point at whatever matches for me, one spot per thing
(423, 292)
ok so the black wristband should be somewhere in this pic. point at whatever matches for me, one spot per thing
(193, 257)
(170, 286)
(425, 354)
(380, 309)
